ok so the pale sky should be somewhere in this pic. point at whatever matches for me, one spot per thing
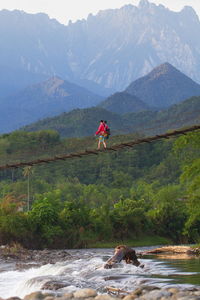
(65, 10)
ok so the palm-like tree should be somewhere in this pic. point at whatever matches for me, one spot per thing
(27, 171)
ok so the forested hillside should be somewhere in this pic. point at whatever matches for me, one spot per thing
(83, 122)
(150, 190)
(122, 103)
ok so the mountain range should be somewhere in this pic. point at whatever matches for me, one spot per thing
(104, 53)
(162, 87)
(45, 99)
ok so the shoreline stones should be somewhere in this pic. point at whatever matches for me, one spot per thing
(141, 293)
(25, 259)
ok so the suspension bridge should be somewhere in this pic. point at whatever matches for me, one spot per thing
(116, 147)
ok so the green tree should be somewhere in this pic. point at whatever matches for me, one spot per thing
(128, 217)
(45, 218)
(187, 148)
(168, 213)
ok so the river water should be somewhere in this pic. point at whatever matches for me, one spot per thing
(85, 270)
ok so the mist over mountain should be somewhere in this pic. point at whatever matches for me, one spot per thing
(13, 80)
(32, 42)
(49, 98)
(106, 52)
(121, 45)
(164, 86)
(35, 45)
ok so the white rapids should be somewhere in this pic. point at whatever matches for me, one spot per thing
(86, 270)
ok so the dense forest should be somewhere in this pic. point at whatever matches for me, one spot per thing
(152, 190)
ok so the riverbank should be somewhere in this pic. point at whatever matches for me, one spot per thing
(143, 293)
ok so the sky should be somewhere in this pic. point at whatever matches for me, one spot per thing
(65, 10)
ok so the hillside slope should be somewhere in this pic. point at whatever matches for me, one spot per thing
(45, 99)
(164, 86)
(79, 122)
(123, 102)
(184, 114)
(83, 122)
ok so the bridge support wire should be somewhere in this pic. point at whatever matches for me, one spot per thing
(96, 152)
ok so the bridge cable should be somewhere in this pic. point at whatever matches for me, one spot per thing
(108, 149)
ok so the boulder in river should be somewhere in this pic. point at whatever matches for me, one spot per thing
(54, 285)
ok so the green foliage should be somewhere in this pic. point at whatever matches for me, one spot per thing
(168, 212)
(13, 223)
(151, 190)
(128, 217)
(187, 147)
(44, 217)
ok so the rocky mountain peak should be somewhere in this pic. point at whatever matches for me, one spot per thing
(52, 85)
(162, 70)
(189, 13)
(144, 3)
(188, 10)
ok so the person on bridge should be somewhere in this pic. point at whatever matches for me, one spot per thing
(101, 132)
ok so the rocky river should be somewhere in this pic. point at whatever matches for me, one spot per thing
(79, 274)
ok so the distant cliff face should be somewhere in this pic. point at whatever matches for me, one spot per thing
(117, 46)
(108, 50)
(33, 43)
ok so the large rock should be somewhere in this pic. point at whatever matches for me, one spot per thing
(34, 296)
(85, 293)
(54, 285)
(105, 297)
